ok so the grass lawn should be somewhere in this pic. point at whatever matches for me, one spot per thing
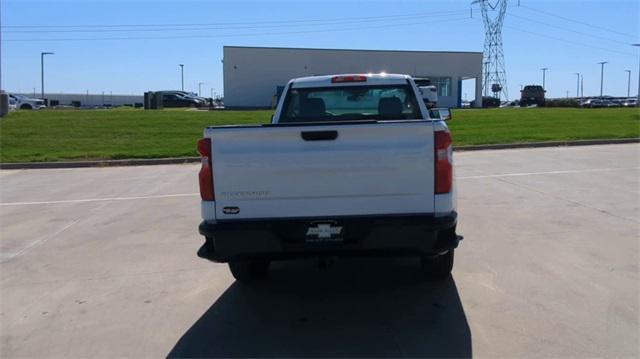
(53, 135)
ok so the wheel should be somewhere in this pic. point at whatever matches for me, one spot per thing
(248, 271)
(438, 267)
(26, 106)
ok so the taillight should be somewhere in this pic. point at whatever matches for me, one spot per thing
(348, 78)
(206, 170)
(444, 162)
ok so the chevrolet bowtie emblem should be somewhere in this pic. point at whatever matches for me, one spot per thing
(324, 231)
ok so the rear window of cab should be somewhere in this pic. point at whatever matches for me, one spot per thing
(349, 103)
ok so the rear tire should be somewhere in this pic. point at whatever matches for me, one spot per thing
(438, 267)
(248, 271)
(26, 107)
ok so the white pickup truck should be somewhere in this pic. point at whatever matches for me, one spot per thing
(23, 102)
(429, 95)
(351, 164)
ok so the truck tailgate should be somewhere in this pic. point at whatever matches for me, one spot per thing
(302, 171)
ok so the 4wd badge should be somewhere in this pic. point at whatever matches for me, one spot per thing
(324, 232)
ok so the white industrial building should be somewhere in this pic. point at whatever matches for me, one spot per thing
(253, 76)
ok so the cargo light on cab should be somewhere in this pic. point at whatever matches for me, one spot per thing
(348, 78)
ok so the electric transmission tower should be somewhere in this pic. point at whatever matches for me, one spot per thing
(495, 76)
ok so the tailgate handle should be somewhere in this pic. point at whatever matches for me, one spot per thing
(319, 135)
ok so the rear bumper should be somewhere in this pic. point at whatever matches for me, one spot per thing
(293, 238)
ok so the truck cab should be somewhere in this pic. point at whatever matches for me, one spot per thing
(350, 164)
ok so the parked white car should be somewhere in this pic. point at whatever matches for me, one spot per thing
(429, 95)
(26, 103)
(12, 104)
(350, 164)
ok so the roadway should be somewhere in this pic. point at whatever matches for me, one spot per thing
(101, 262)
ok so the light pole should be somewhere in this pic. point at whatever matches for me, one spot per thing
(628, 82)
(42, 55)
(601, 75)
(581, 86)
(578, 85)
(182, 75)
(638, 45)
(200, 88)
(544, 77)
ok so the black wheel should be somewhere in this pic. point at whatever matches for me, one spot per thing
(26, 107)
(248, 271)
(438, 267)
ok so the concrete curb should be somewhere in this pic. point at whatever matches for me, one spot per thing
(103, 163)
(184, 160)
(548, 144)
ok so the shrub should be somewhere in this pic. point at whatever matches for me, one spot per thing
(563, 102)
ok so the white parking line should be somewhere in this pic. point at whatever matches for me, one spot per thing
(548, 173)
(195, 194)
(7, 256)
(100, 199)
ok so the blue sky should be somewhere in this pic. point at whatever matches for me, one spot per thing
(567, 36)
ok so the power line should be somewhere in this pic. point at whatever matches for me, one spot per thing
(164, 29)
(566, 41)
(303, 21)
(232, 35)
(578, 22)
(569, 41)
(570, 30)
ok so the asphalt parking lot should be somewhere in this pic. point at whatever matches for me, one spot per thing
(101, 262)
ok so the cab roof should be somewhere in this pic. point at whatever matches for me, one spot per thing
(364, 79)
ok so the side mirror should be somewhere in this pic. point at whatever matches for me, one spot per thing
(444, 114)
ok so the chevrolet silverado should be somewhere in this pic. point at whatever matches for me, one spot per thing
(351, 164)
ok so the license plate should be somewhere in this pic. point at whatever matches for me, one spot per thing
(323, 232)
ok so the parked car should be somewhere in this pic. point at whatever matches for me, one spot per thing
(422, 81)
(487, 101)
(630, 103)
(186, 94)
(612, 103)
(350, 164)
(595, 103)
(429, 95)
(26, 103)
(12, 104)
(178, 100)
(585, 103)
